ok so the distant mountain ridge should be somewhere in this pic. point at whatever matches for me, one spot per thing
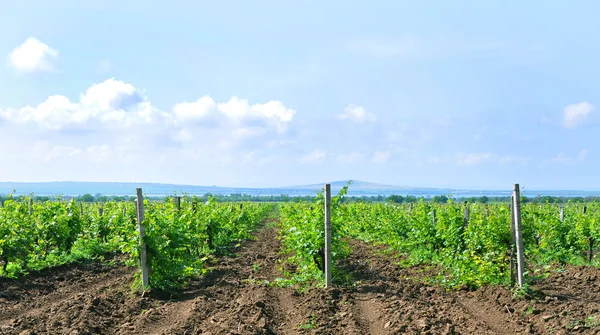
(355, 184)
(357, 188)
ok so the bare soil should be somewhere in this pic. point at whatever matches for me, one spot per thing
(379, 298)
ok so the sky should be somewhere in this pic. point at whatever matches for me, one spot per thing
(462, 94)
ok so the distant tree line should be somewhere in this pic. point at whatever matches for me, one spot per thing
(398, 199)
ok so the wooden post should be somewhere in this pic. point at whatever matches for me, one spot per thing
(30, 206)
(142, 233)
(467, 216)
(410, 205)
(590, 241)
(561, 214)
(512, 252)
(518, 235)
(327, 235)
(177, 201)
(487, 212)
(433, 217)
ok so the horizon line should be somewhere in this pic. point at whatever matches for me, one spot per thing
(387, 186)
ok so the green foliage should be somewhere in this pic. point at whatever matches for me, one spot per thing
(478, 253)
(180, 241)
(58, 232)
(302, 233)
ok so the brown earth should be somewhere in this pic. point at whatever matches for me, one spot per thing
(379, 298)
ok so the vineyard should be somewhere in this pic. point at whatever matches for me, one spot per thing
(256, 268)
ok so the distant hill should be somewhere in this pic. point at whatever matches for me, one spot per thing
(357, 188)
(363, 185)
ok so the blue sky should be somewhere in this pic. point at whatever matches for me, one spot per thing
(466, 94)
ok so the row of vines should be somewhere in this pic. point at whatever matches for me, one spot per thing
(470, 252)
(180, 237)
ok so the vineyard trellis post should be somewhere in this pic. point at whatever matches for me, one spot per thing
(562, 214)
(327, 235)
(177, 201)
(142, 233)
(518, 234)
(31, 206)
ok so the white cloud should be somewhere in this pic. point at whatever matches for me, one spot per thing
(576, 114)
(113, 122)
(194, 111)
(116, 105)
(473, 158)
(32, 56)
(357, 114)
(381, 157)
(564, 159)
(237, 112)
(110, 104)
(352, 157)
(313, 157)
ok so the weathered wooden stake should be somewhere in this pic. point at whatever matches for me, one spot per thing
(518, 236)
(561, 214)
(327, 235)
(142, 233)
(512, 251)
(177, 201)
(410, 205)
(30, 206)
(467, 216)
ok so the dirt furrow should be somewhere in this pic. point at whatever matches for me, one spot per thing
(493, 320)
(237, 297)
(394, 300)
(30, 303)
